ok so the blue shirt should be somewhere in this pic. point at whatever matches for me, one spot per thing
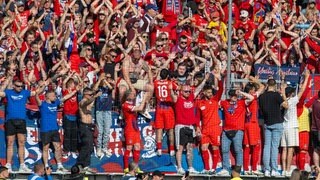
(49, 115)
(16, 106)
(37, 177)
(104, 102)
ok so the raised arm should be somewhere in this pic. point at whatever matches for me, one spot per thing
(199, 88)
(304, 85)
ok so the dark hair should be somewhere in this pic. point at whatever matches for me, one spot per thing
(319, 94)
(249, 87)
(87, 89)
(304, 175)
(232, 93)
(271, 82)
(164, 73)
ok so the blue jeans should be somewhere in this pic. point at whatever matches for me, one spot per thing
(272, 136)
(225, 148)
(104, 122)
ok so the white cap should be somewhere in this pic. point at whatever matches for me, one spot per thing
(244, 13)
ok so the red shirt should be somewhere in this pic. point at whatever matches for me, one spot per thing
(162, 92)
(253, 108)
(234, 115)
(185, 110)
(210, 110)
(130, 116)
(248, 25)
(71, 105)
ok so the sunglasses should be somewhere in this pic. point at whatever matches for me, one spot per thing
(18, 86)
(144, 36)
(114, 25)
(1, 58)
(183, 42)
(89, 49)
(164, 39)
(90, 23)
(187, 91)
(159, 45)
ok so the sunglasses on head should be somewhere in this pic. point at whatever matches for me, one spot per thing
(19, 86)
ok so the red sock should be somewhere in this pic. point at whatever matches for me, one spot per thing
(126, 159)
(171, 148)
(136, 156)
(246, 154)
(255, 157)
(215, 158)
(205, 157)
(302, 160)
(159, 145)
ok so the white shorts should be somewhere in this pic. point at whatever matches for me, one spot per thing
(290, 137)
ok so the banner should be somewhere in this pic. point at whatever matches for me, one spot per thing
(264, 71)
(149, 160)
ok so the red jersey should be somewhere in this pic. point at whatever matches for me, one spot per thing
(185, 110)
(71, 105)
(253, 108)
(234, 114)
(249, 26)
(210, 110)
(130, 116)
(162, 90)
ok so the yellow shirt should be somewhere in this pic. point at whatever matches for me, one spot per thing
(236, 178)
(303, 119)
(222, 29)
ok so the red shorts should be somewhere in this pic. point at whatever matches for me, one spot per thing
(304, 140)
(164, 118)
(132, 137)
(212, 136)
(252, 134)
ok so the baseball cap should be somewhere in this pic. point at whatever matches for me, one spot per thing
(151, 6)
(215, 14)
(20, 3)
(244, 13)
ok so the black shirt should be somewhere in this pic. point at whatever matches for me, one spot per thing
(270, 106)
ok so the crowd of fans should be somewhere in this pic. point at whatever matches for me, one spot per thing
(92, 57)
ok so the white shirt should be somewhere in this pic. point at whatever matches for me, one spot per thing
(290, 114)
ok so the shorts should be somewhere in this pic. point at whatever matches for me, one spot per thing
(304, 139)
(213, 136)
(164, 118)
(15, 126)
(184, 134)
(252, 134)
(49, 137)
(132, 137)
(139, 85)
(290, 137)
(315, 139)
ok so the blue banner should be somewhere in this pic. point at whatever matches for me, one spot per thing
(266, 71)
(149, 160)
